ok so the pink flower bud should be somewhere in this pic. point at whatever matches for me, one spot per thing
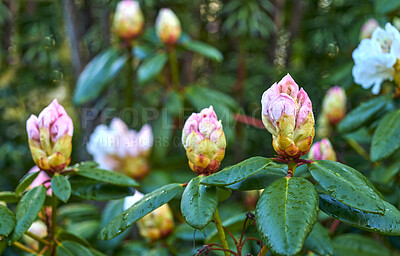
(368, 27)
(118, 148)
(334, 105)
(287, 115)
(168, 26)
(42, 179)
(50, 137)
(156, 225)
(322, 150)
(204, 141)
(128, 20)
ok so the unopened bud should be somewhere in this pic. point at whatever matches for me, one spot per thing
(50, 137)
(204, 141)
(322, 150)
(168, 26)
(367, 29)
(334, 105)
(128, 20)
(287, 115)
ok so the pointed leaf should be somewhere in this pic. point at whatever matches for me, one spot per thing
(151, 67)
(388, 224)
(27, 210)
(319, 241)
(347, 185)
(363, 114)
(147, 204)
(204, 49)
(61, 187)
(7, 221)
(25, 182)
(286, 213)
(386, 138)
(358, 245)
(106, 176)
(237, 172)
(63, 235)
(8, 197)
(71, 248)
(198, 203)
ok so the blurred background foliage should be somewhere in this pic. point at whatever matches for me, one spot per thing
(46, 44)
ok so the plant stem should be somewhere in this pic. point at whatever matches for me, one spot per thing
(37, 238)
(53, 221)
(291, 169)
(129, 89)
(24, 248)
(354, 144)
(174, 68)
(221, 232)
(263, 251)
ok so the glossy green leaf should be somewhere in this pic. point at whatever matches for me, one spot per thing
(263, 178)
(388, 224)
(237, 172)
(199, 203)
(147, 204)
(358, 245)
(97, 74)
(106, 176)
(94, 190)
(204, 49)
(27, 210)
(286, 213)
(347, 185)
(25, 182)
(68, 248)
(8, 197)
(363, 114)
(63, 235)
(318, 241)
(7, 221)
(386, 138)
(61, 187)
(151, 67)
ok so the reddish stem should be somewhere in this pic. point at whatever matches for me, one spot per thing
(334, 226)
(249, 120)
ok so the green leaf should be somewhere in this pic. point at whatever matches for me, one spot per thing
(204, 49)
(347, 185)
(61, 187)
(68, 248)
(106, 176)
(8, 197)
(363, 114)
(93, 190)
(263, 178)
(25, 182)
(358, 245)
(319, 241)
(386, 138)
(147, 204)
(385, 6)
(286, 213)
(63, 235)
(174, 103)
(151, 67)
(387, 224)
(7, 221)
(237, 172)
(199, 203)
(97, 74)
(27, 210)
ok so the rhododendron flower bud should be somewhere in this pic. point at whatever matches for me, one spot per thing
(377, 59)
(322, 150)
(128, 20)
(168, 26)
(334, 105)
(41, 179)
(39, 229)
(204, 141)
(287, 115)
(368, 27)
(120, 149)
(156, 225)
(50, 137)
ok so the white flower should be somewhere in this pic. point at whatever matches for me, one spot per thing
(374, 58)
(131, 200)
(108, 144)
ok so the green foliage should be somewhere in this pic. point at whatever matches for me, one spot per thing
(61, 187)
(25, 182)
(357, 245)
(203, 49)
(151, 67)
(318, 241)
(7, 220)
